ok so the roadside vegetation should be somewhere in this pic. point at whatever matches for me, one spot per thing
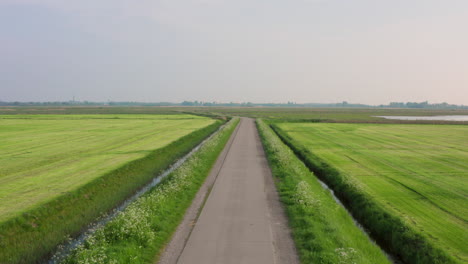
(68, 170)
(138, 233)
(322, 229)
(405, 183)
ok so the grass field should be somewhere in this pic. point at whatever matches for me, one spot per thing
(43, 157)
(273, 113)
(138, 233)
(322, 229)
(61, 167)
(416, 172)
(281, 114)
(138, 148)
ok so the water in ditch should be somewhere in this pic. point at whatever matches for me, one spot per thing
(389, 256)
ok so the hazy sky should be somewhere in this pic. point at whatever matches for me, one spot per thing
(366, 51)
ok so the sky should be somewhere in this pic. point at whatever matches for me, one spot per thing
(321, 51)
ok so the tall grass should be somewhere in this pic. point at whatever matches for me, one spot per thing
(33, 236)
(323, 231)
(138, 233)
(391, 231)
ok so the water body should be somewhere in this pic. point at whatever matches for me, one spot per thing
(459, 118)
(390, 257)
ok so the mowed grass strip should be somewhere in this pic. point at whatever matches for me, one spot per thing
(322, 229)
(406, 183)
(139, 233)
(33, 231)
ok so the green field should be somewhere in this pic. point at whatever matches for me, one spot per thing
(140, 232)
(43, 157)
(417, 172)
(322, 229)
(339, 114)
(405, 183)
(307, 114)
(70, 169)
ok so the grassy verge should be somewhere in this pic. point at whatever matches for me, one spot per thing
(31, 237)
(323, 230)
(391, 231)
(139, 232)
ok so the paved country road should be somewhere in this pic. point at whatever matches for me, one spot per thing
(242, 220)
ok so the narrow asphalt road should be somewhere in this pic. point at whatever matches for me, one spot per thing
(242, 220)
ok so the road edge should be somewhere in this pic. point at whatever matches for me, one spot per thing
(172, 251)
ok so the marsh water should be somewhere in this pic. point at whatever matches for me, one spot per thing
(459, 118)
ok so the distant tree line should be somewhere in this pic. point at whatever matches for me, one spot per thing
(201, 103)
(425, 104)
(86, 103)
(344, 104)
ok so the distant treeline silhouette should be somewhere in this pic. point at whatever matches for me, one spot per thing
(421, 105)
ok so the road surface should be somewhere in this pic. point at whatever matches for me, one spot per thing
(242, 220)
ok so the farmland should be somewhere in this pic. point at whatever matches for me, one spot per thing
(58, 173)
(139, 232)
(307, 114)
(46, 156)
(324, 232)
(417, 173)
(266, 113)
(404, 181)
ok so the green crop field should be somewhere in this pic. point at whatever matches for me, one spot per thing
(139, 232)
(416, 172)
(323, 231)
(358, 115)
(45, 156)
(339, 114)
